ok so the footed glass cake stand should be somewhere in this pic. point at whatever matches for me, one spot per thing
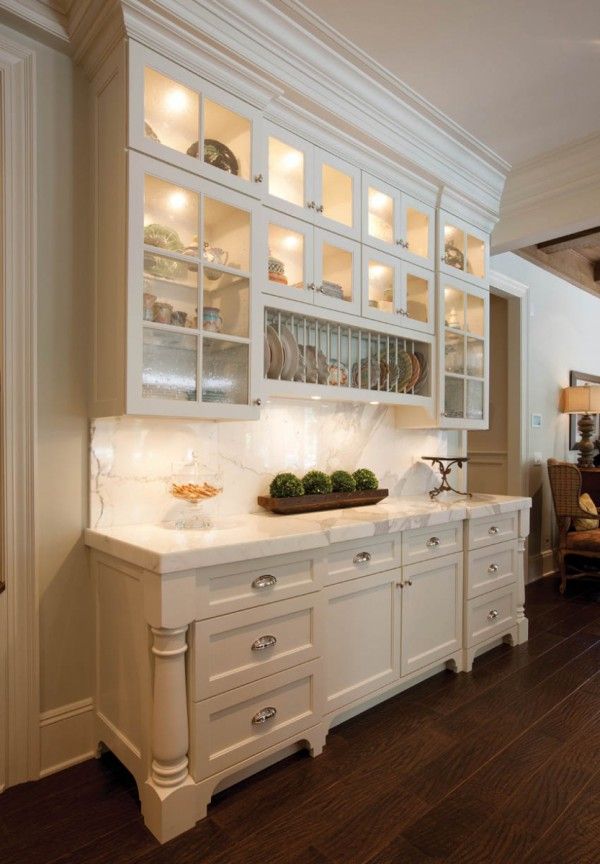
(444, 464)
(195, 486)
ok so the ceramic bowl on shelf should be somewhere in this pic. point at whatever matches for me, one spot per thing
(338, 375)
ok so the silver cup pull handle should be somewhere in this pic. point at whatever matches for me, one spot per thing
(264, 642)
(362, 558)
(492, 614)
(493, 568)
(266, 581)
(433, 542)
(493, 530)
(263, 715)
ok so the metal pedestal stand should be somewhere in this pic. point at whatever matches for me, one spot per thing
(444, 464)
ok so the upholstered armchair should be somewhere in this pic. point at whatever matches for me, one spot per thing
(565, 482)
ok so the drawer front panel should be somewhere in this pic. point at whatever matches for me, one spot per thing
(362, 558)
(427, 544)
(273, 579)
(233, 650)
(492, 529)
(236, 725)
(492, 567)
(490, 615)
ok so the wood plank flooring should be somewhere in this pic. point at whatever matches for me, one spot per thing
(500, 766)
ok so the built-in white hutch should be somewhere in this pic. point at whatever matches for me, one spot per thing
(257, 187)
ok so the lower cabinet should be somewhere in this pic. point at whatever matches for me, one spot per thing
(362, 637)
(431, 612)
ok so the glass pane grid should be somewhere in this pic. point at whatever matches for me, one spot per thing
(310, 350)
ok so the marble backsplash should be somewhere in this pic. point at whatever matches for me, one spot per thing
(131, 457)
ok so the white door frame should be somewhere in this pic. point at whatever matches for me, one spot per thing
(19, 611)
(517, 295)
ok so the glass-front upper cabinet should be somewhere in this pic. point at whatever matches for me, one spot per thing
(190, 295)
(311, 184)
(396, 292)
(463, 248)
(180, 118)
(309, 264)
(464, 349)
(397, 223)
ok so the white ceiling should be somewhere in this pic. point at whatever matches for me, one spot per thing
(521, 75)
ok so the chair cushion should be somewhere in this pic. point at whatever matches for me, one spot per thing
(584, 541)
(586, 503)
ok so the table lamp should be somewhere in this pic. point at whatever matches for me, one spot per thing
(584, 400)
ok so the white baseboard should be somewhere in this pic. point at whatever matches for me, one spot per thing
(66, 736)
(541, 565)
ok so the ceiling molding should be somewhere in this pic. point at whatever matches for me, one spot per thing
(46, 17)
(315, 71)
(553, 195)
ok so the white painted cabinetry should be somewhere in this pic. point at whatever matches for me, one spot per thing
(209, 673)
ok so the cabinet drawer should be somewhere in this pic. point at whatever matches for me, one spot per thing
(361, 558)
(235, 725)
(490, 615)
(425, 544)
(492, 529)
(492, 567)
(236, 587)
(233, 650)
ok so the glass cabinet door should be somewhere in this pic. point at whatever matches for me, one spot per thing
(417, 231)
(381, 215)
(382, 288)
(288, 257)
(188, 122)
(337, 194)
(289, 173)
(463, 248)
(337, 272)
(464, 360)
(418, 291)
(190, 290)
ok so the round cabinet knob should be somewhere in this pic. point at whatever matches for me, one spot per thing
(311, 205)
(319, 208)
(493, 530)
(362, 558)
(492, 614)
(400, 242)
(264, 642)
(258, 402)
(258, 178)
(266, 581)
(493, 568)
(433, 542)
(406, 244)
(311, 286)
(401, 312)
(408, 582)
(263, 715)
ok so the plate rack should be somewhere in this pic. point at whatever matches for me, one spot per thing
(347, 358)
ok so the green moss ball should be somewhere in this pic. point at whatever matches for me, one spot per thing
(342, 481)
(365, 479)
(286, 486)
(316, 483)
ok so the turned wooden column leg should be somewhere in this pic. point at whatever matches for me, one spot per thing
(170, 736)
(170, 800)
(522, 622)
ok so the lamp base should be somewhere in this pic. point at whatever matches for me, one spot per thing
(586, 448)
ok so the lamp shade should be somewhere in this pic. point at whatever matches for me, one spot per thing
(581, 400)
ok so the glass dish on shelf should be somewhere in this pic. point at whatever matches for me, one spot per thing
(195, 486)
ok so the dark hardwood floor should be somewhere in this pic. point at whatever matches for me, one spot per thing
(500, 765)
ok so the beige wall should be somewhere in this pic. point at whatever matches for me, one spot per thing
(65, 598)
(564, 329)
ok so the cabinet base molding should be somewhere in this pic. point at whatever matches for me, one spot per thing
(511, 636)
(335, 718)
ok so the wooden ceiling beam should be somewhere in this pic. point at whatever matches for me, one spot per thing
(579, 240)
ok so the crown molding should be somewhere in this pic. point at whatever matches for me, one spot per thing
(274, 46)
(550, 196)
(40, 18)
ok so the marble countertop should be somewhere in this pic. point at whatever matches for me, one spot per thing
(162, 549)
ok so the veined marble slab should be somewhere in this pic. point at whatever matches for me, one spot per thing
(162, 549)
